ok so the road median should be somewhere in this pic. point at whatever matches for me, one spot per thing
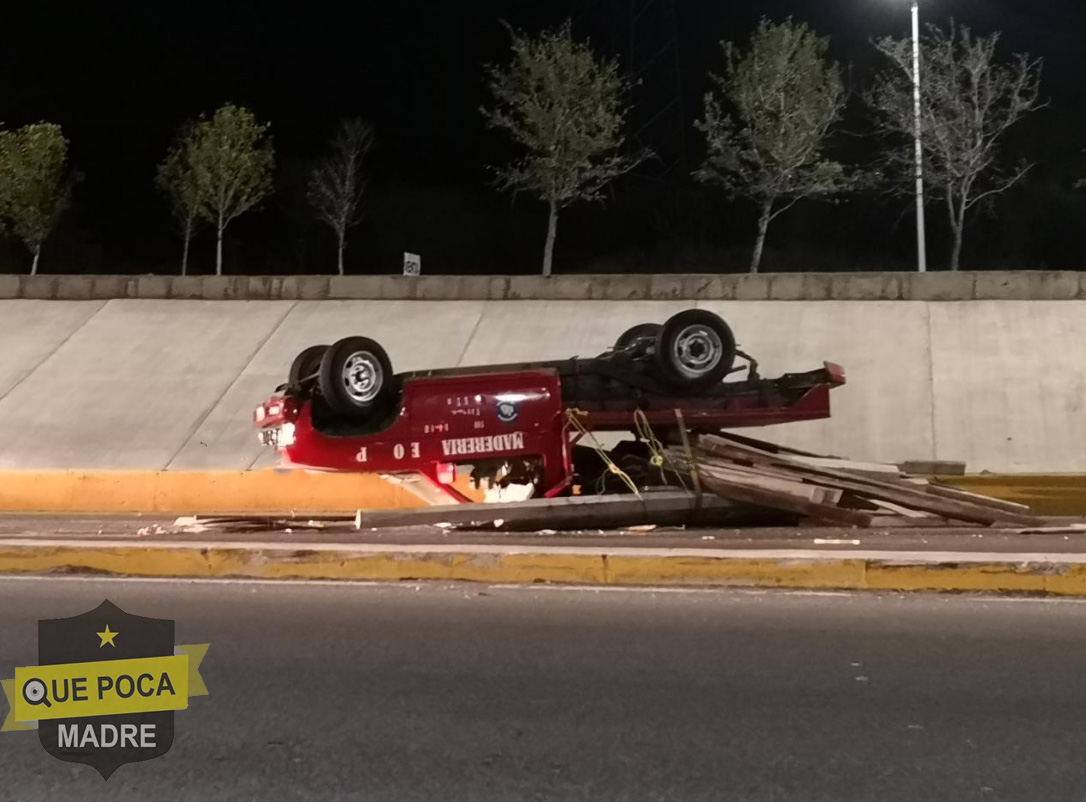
(1061, 574)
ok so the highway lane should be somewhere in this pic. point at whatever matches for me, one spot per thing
(437, 692)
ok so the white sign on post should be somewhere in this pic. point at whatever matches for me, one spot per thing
(412, 264)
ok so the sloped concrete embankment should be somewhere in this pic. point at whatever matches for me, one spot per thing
(136, 384)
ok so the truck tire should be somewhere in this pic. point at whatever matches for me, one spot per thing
(306, 365)
(641, 331)
(695, 349)
(356, 377)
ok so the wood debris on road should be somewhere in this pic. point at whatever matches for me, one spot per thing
(830, 490)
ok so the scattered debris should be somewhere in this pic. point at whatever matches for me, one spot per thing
(193, 524)
(839, 492)
(1069, 529)
(727, 481)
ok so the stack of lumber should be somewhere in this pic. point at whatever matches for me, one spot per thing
(833, 491)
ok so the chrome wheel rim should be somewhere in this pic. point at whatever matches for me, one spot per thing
(697, 350)
(362, 376)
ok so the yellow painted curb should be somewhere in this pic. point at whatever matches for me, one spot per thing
(1046, 494)
(198, 492)
(525, 566)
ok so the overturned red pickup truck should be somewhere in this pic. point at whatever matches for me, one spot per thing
(343, 409)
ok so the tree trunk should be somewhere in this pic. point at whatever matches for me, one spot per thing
(185, 249)
(37, 256)
(218, 249)
(759, 244)
(552, 232)
(957, 228)
(956, 249)
(342, 246)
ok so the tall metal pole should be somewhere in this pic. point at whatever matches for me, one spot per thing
(921, 235)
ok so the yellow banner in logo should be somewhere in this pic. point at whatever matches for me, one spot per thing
(104, 688)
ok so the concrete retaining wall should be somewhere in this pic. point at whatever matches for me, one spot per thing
(171, 385)
(989, 285)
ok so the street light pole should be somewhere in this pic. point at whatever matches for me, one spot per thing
(921, 236)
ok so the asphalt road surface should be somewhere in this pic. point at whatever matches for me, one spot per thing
(356, 692)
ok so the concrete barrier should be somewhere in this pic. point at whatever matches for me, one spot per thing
(170, 385)
(960, 286)
(208, 492)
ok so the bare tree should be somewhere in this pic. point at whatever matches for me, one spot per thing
(176, 179)
(337, 183)
(769, 122)
(231, 158)
(968, 103)
(567, 110)
(35, 184)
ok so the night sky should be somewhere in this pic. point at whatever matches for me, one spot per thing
(120, 76)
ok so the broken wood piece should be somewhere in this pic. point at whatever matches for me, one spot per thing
(820, 495)
(900, 510)
(1069, 529)
(977, 498)
(877, 470)
(896, 492)
(772, 499)
(781, 472)
(772, 448)
(902, 522)
(855, 501)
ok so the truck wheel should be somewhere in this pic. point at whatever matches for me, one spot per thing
(306, 365)
(356, 377)
(695, 349)
(641, 331)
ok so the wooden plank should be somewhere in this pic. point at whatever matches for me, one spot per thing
(977, 498)
(829, 495)
(772, 448)
(819, 495)
(834, 496)
(760, 470)
(903, 512)
(876, 470)
(901, 522)
(897, 493)
(783, 501)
